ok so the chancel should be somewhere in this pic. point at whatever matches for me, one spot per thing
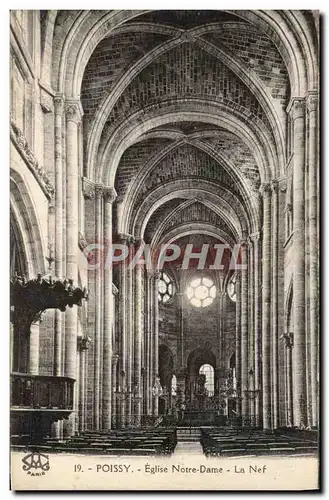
(164, 231)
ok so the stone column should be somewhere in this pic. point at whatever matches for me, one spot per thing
(59, 251)
(74, 113)
(180, 342)
(244, 330)
(138, 342)
(149, 368)
(121, 399)
(181, 382)
(33, 366)
(20, 355)
(150, 322)
(290, 389)
(144, 384)
(156, 277)
(98, 347)
(122, 297)
(130, 327)
(274, 303)
(76, 394)
(266, 307)
(281, 324)
(308, 402)
(82, 347)
(299, 354)
(108, 311)
(288, 342)
(257, 316)
(238, 341)
(114, 409)
(313, 193)
(251, 331)
(222, 360)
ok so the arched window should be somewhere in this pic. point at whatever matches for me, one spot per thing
(17, 264)
(201, 292)
(174, 385)
(165, 288)
(231, 287)
(208, 371)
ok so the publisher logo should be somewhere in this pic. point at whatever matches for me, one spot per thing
(36, 464)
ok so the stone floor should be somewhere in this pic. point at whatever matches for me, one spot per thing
(184, 448)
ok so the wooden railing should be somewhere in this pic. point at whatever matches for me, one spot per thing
(41, 392)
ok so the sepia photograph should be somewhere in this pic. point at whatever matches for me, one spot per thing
(164, 250)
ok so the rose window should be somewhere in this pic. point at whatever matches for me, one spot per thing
(201, 292)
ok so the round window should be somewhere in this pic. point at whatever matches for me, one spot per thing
(201, 292)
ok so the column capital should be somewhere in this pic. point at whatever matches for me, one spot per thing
(88, 188)
(110, 194)
(282, 184)
(155, 275)
(296, 107)
(92, 190)
(275, 186)
(288, 339)
(59, 104)
(139, 242)
(99, 191)
(265, 190)
(83, 343)
(181, 372)
(125, 238)
(312, 101)
(82, 241)
(46, 102)
(254, 237)
(115, 358)
(243, 242)
(73, 110)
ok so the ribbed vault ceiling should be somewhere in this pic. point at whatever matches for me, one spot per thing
(161, 57)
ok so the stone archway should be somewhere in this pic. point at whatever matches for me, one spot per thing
(19, 347)
(27, 260)
(196, 359)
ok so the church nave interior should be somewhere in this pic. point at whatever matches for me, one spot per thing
(164, 230)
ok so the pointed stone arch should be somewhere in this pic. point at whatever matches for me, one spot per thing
(195, 228)
(26, 222)
(248, 197)
(216, 195)
(185, 110)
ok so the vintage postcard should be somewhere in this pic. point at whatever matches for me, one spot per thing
(164, 249)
